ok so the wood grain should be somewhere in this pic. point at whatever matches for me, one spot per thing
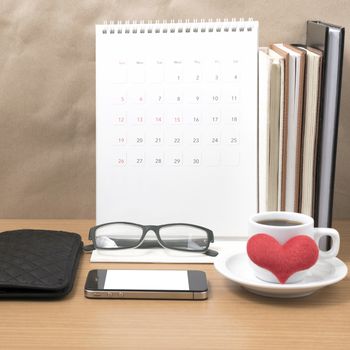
(230, 319)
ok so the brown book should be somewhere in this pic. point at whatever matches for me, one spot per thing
(311, 118)
(293, 126)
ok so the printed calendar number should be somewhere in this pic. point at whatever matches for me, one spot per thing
(196, 161)
(136, 158)
(214, 71)
(121, 98)
(194, 71)
(174, 95)
(215, 119)
(175, 71)
(121, 160)
(156, 159)
(231, 96)
(231, 118)
(120, 118)
(121, 140)
(231, 74)
(231, 137)
(193, 159)
(155, 95)
(213, 139)
(158, 120)
(193, 95)
(176, 119)
(157, 140)
(234, 98)
(175, 159)
(174, 138)
(139, 140)
(138, 118)
(214, 96)
(233, 140)
(136, 138)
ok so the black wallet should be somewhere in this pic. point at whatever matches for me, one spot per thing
(38, 263)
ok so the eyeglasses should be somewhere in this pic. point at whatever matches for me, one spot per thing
(125, 235)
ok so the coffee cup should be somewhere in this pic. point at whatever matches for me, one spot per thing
(268, 227)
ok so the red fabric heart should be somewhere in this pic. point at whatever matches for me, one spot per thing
(298, 253)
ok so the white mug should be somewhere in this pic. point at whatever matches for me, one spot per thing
(282, 234)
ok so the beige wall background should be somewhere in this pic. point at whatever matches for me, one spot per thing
(47, 91)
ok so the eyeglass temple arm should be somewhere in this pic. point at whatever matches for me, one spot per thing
(88, 248)
(211, 252)
(91, 232)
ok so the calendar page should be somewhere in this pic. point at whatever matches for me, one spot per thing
(176, 124)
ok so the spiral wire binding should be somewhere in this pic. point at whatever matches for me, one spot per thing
(172, 26)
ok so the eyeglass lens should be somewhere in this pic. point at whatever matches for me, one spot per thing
(184, 237)
(118, 236)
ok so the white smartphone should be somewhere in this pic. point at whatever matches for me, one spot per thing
(147, 284)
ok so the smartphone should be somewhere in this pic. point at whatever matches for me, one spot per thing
(147, 284)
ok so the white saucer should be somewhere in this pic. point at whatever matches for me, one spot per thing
(237, 268)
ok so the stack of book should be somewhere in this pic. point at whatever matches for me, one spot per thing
(299, 96)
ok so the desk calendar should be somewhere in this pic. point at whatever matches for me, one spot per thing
(176, 123)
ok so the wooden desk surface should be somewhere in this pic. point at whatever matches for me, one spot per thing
(230, 319)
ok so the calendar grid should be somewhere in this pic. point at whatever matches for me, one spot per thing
(176, 117)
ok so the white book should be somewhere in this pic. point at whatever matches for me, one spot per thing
(270, 117)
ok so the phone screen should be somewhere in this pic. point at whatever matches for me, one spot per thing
(144, 280)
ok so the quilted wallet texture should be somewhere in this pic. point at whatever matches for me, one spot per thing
(38, 263)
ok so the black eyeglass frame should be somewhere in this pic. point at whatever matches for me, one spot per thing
(155, 229)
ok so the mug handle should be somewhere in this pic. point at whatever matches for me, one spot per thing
(331, 232)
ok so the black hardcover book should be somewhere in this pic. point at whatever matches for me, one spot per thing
(329, 39)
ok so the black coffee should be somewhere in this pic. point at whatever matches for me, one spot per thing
(277, 222)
